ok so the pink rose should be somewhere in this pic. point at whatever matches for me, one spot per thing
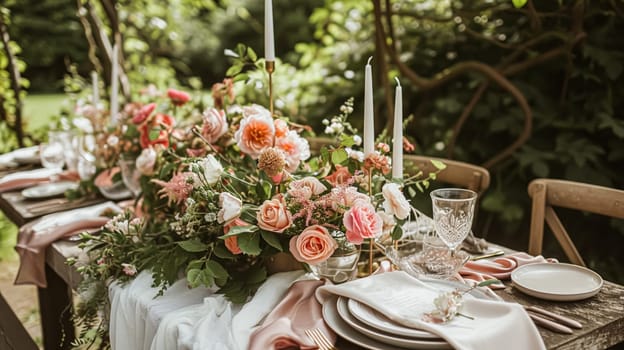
(274, 216)
(215, 124)
(343, 197)
(362, 222)
(281, 128)
(143, 113)
(255, 134)
(313, 246)
(395, 202)
(178, 97)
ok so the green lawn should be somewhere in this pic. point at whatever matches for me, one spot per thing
(38, 109)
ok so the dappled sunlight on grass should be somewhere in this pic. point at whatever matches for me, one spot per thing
(38, 109)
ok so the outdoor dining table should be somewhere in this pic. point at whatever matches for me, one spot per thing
(602, 316)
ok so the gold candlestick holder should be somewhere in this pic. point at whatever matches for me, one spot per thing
(270, 68)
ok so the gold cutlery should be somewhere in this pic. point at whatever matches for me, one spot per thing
(488, 255)
(319, 338)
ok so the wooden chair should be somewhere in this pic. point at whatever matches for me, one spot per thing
(549, 193)
(456, 173)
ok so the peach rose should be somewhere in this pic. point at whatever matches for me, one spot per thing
(313, 246)
(362, 222)
(306, 187)
(231, 243)
(281, 128)
(215, 124)
(296, 149)
(274, 216)
(341, 176)
(395, 202)
(255, 134)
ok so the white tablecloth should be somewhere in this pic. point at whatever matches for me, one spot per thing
(186, 318)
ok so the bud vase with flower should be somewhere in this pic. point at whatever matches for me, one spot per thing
(341, 266)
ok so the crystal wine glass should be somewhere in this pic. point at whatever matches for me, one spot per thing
(130, 175)
(453, 211)
(52, 154)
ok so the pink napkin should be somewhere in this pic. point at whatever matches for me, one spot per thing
(25, 179)
(499, 268)
(31, 246)
(285, 326)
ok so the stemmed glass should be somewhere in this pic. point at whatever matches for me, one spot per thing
(453, 211)
(130, 175)
(52, 153)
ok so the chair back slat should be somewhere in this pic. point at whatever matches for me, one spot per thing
(549, 193)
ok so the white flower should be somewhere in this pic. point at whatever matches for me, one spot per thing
(212, 169)
(329, 130)
(112, 140)
(146, 161)
(388, 222)
(231, 208)
(210, 217)
(395, 202)
(129, 269)
(357, 140)
(357, 155)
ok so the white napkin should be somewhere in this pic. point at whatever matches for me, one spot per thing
(67, 217)
(218, 323)
(186, 318)
(30, 174)
(8, 160)
(405, 299)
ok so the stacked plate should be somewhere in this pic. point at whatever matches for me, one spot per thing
(369, 329)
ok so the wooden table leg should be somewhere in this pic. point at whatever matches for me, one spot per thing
(12, 332)
(56, 309)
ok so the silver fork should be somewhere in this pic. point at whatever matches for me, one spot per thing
(319, 338)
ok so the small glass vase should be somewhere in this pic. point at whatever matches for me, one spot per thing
(342, 265)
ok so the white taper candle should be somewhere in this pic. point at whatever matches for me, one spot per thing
(269, 43)
(369, 118)
(397, 134)
(114, 102)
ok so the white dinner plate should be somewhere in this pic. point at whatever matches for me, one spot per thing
(49, 189)
(558, 282)
(335, 322)
(376, 320)
(386, 338)
(28, 155)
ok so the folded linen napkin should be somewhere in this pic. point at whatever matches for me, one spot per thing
(34, 237)
(12, 159)
(499, 268)
(405, 299)
(22, 179)
(285, 326)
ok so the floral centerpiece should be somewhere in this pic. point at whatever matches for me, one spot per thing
(229, 188)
